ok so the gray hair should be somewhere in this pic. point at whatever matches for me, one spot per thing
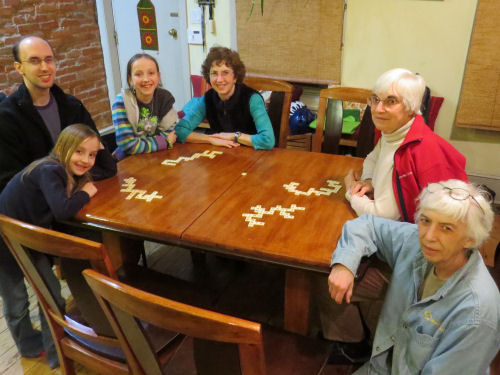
(474, 211)
(408, 86)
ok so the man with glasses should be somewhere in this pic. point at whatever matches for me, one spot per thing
(441, 314)
(30, 121)
(32, 117)
(408, 156)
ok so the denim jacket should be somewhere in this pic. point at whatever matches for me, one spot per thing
(454, 331)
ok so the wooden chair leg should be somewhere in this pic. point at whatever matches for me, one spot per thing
(67, 366)
(143, 255)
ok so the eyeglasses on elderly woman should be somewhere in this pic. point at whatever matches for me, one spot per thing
(458, 194)
(388, 102)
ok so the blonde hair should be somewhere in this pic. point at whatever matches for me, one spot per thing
(409, 86)
(474, 211)
(67, 142)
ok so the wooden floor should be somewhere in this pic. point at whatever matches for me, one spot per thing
(11, 362)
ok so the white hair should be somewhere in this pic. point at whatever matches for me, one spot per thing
(408, 86)
(475, 211)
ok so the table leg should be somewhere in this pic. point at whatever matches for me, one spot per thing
(121, 249)
(297, 301)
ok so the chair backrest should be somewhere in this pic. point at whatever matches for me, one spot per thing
(125, 306)
(329, 139)
(200, 86)
(280, 117)
(22, 238)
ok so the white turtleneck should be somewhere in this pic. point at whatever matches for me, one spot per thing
(378, 167)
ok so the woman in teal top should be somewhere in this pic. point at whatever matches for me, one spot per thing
(236, 113)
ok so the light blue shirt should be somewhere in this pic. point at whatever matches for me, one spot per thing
(455, 331)
(195, 112)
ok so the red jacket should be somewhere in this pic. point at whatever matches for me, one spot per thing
(422, 158)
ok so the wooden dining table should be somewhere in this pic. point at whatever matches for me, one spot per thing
(285, 207)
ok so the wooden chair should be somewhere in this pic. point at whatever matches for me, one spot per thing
(20, 237)
(124, 304)
(200, 86)
(279, 107)
(259, 351)
(74, 339)
(329, 140)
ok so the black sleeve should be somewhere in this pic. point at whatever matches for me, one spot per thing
(84, 116)
(13, 157)
(105, 165)
(53, 184)
(87, 119)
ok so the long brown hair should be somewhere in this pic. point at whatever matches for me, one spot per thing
(67, 142)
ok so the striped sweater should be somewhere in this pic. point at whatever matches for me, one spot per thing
(127, 139)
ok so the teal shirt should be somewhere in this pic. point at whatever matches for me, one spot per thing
(195, 112)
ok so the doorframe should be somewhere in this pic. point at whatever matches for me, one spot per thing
(111, 57)
(232, 25)
(106, 23)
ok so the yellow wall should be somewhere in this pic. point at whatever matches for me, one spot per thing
(428, 37)
(222, 34)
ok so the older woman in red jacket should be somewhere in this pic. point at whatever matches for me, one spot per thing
(408, 156)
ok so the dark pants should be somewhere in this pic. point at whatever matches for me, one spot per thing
(30, 342)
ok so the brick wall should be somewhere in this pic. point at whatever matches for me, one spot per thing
(71, 28)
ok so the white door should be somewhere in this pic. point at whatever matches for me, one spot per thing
(172, 54)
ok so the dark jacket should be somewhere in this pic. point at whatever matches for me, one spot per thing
(232, 114)
(40, 197)
(23, 134)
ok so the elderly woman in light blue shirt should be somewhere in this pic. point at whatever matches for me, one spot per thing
(441, 314)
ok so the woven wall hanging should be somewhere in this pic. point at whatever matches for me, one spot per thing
(147, 25)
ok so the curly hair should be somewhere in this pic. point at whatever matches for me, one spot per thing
(223, 55)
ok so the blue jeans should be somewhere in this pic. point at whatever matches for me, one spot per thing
(29, 341)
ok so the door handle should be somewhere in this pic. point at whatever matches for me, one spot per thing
(173, 32)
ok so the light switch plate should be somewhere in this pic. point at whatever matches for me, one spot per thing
(195, 16)
(194, 36)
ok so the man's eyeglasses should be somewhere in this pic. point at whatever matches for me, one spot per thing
(458, 194)
(388, 102)
(38, 61)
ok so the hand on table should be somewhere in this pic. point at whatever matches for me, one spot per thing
(90, 189)
(223, 139)
(356, 186)
(340, 283)
(226, 136)
(172, 137)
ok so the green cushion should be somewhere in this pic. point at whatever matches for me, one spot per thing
(351, 120)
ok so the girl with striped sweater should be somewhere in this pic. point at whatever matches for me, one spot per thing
(143, 114)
